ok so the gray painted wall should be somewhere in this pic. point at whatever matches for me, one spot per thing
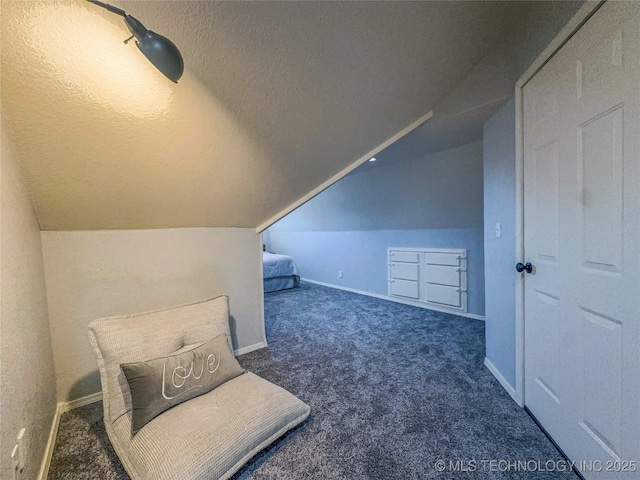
(266, 240)
(362, 256)
(437, 191)
(500, 253)
(431, 201)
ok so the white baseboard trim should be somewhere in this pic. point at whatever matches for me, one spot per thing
(396, 300)
(503, 381)
(250, 348)
(51, 441)
(61, 408)
(80, 402)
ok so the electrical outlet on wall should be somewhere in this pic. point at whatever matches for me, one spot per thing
(15, 462)
(339, 273)
(22, 449)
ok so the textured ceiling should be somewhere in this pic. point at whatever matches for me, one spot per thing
(434, 136)
(277, 97)
(459, 117)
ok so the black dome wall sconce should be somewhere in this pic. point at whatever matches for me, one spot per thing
(159, 50)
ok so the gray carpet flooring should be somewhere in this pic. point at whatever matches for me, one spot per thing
(392, 389)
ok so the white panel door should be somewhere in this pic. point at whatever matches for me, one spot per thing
(582, 234)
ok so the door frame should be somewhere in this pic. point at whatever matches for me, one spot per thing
(580, 18)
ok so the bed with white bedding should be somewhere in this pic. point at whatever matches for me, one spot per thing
(279, 272)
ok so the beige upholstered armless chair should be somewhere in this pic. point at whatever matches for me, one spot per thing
(208, 437)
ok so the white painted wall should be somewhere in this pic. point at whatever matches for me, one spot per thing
(93, 274)
(500, 253)
(28, 389)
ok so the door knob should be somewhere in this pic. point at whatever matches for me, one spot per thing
(527, 267)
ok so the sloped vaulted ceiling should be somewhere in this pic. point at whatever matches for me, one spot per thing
(277, 97)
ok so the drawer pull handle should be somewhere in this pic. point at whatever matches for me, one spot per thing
(391, 254)
(461, 290)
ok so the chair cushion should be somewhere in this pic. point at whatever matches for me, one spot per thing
(208, 437)
(211, 436)
(137, 338)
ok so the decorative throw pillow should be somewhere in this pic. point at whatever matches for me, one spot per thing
(159, 384)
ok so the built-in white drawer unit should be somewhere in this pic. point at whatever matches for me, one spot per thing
(402, 256)
(404, 288)
(404, 271)
(442, 258)
(443, 275)
(428, 275)
(443, 295)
